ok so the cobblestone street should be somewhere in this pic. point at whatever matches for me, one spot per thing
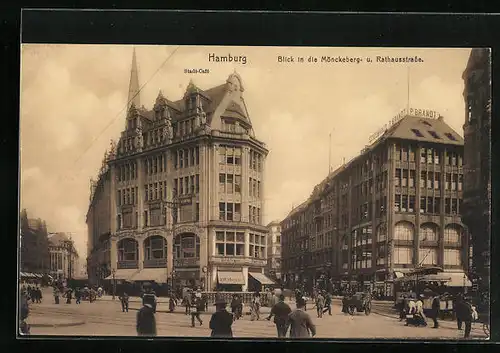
(105, 318)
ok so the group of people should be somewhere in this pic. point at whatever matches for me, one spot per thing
(412, 311)
(33, 293)
(323, 303)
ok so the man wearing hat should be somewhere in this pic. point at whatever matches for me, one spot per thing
(221, 321)
(301, 325)
(280, 311)
(198, 307)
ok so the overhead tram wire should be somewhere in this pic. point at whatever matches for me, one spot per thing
(118, 114)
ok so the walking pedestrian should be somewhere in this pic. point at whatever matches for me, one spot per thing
(255, 308)
(236, 307)
(221, 321)
(186, 301)
(146, 321)
(463, 312)
(56, 295)
(301, 325)
(320, 303)
(24, 310)
(280, 311)
(69, 296)
(78, 295)
(124, 301)
(198, 307)
(328, 303)
(436, 304)
(172, 302)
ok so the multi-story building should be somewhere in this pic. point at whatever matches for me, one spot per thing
(476, 209)
(98, 221)
(186, 191)
(394, 207)
(64, 259)
(34, 247)
(274, 250)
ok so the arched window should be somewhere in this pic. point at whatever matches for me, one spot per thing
(403, 231)
(127, 250)
(453, 234)
(155, 248)
(428, 232)
(187, 246)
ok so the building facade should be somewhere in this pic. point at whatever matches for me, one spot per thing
(394, 207)
(476, 210)
(64, 259)
(273, 269)
(186, 191)
(34, 246)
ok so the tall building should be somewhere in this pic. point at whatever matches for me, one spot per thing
(394, 207)
(476, 210)
(34, 247)
(186, 191)
(98, 221)
(274, 250)
(64, 259)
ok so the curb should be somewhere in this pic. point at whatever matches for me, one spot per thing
(69, 324)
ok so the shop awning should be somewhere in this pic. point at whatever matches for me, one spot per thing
(458, 279)
(123, 274)
(158, 275)
(261, 278)
(230, 277)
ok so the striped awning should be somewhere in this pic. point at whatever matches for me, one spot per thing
(230, 277)
(261, 278)
(158, 275)
(123, 274)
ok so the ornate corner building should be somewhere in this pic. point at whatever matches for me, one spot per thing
(394, 207)
(180, 196)
(476, 210)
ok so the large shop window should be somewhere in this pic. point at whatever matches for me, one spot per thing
(428, 256)
(187, 246)
(127, 250)
(404, 231)
(452, 257)
(230, 243)
(428, 232)
(453, 235)
(155, 248)
(257, 246)
(403, 255)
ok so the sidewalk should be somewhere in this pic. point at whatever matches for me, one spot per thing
(37, 320)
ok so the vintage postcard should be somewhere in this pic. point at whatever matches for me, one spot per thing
(255, 192)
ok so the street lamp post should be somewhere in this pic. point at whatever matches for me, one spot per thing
(113, 272)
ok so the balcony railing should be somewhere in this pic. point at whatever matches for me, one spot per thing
(154, 263)
(128, 264)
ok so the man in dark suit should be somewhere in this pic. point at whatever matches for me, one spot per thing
(280, 311)
(221, 320)
(463, 312)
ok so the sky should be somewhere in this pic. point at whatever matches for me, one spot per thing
(73, 100)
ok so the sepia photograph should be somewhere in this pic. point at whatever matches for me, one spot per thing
(254, 192)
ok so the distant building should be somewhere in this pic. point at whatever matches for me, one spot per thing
(274, 250)
(34, 247)
(394, 207)
(179, 198)
(64, 259)
(476, 209)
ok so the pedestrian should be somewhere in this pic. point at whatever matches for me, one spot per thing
(280, 311)
(328, 303)
(186, 301)
(419, 304)
(301, 325)
(236, 307)
(221, 321)
(24, 328)
(39, 295)
(78, 295)
(198, 307)
(56, 295)
(69, 296)
(463, 312)
(172, 302)
(146, 321)
(255, 308)
(124, 301)
(320, 303)
(436, 304)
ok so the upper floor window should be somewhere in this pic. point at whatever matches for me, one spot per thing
(230, 155)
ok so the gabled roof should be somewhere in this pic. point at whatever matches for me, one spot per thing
(234, 110)
(57, 239)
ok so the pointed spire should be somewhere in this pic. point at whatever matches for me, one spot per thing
(133, 90)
